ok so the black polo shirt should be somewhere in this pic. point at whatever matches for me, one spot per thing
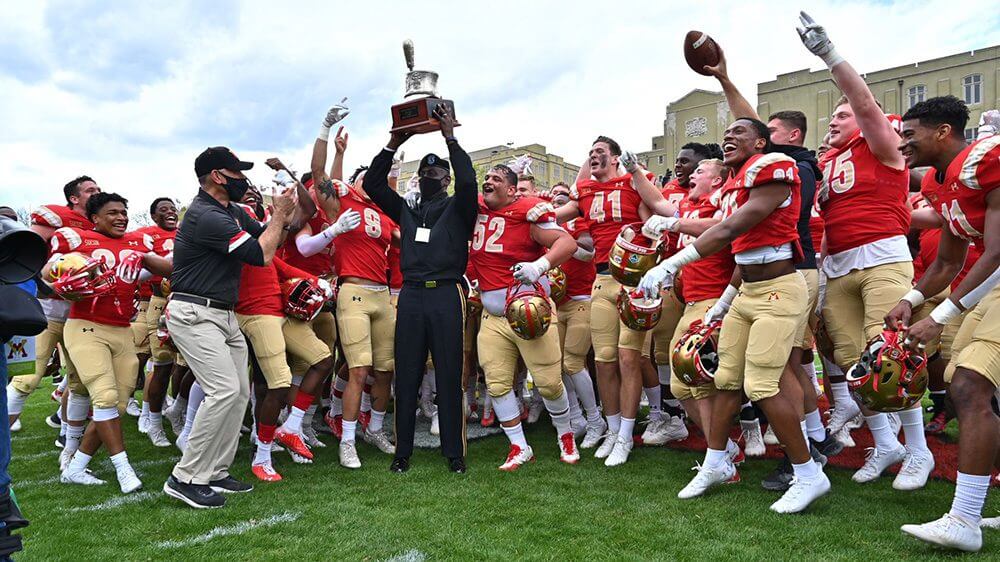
(212, 244)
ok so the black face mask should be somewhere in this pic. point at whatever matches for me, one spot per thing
(236, 188)
(429, 188)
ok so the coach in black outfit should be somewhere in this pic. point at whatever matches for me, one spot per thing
(430, 313)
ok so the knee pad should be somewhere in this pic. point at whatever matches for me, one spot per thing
(77, 407)
(498, 389)
(105, 414)
(15, 401)
(506, 406)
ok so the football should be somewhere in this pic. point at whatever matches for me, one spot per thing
(700, 51)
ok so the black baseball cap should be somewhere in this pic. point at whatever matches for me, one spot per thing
(218, 158)
(433, 160)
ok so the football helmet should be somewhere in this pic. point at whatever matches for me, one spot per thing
(528, 310)
(557, 284)
(165, 286)
(632, 255)
(163, 334)
(303, 298)
(638, 312)
(696, 356)
(889, 377)
(80, 277)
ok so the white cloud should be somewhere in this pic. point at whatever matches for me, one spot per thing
(131, 95)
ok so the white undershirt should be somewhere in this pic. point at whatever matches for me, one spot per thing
(887, 250)
(765, 254)
(56, 310)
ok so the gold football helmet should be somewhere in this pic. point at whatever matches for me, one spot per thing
(638, 312)
(528, 310)
(696, 355)
(889, 377)
(633, 255)
(557, 285)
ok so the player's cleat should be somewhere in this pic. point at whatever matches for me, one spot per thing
(595, 431)
(829, 447)
(535, 410)
(607, 446)
(619, 454)
(379, 440)
(579, 426)
(158, 436)
(472, 412)
(293, 442)
(435, 425)
(876, 463)
(310, 437)
(568, 452)
(245, 430)
(16, 426)
(60, 442)
(516, 457)
(349, 455)
(64, 458)
(857, 422)
(844, 438)
(753, 440)
(364, 418)
(265, 472)
(489, 419)
(769, 437)
(655, 433)
(83, 477)
(400, 465)
(950, 531)
(427, 408)
(176, 419)
(297, 459)
(52, 421)
(708, 478)
(801, 493)
(143, 424)
(917, 467)
(133, 408)
(937, 423)
(56, 395)
(128, 480)
(336, 424)
(842, 414)
(196, 496)
(779, 479)
(736, 456)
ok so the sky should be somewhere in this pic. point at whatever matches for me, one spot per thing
(130, 92)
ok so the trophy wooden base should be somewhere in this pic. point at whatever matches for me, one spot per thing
(417, 115)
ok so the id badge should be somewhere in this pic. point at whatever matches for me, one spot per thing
(423, 235)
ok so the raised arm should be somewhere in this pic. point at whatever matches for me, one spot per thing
(737, 103)
(652, 197)
(466, 188)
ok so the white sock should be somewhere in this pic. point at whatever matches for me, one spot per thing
(840, 393)
(366, 401)
(195, 398)
(427, 386)
(516, 435)
(805, 431)
(337, 402)
(810, 369)
(625, 429)
(375, 424)
(714, 457)
(73, 435)
(574, 403)
(814, 426)
(559, 412)
(294, 421)
(62, 428)
(878, 424)
(970, 495)
(263, 454)
(653, 397)
(913, 428)
(145, 409)
(155, 420)
(350, 427)
(614, 422)
(120, 461)
(584, 388)
(80, 461)
(807, 469)
(308, 418)
(663, 373)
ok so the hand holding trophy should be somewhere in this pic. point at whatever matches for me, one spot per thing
(419, 113)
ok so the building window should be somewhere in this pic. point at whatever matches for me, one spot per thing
(971, 134)
(916, 94)
(973, 88)
(659, 159)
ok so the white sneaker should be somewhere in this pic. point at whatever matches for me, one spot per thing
(842, 414)
(989, 523)
(380, 440)
(950, 532)
(607, 446)
(917, 466)
(707, 478)
(310, 437)
(16, 426)
(427, 408)
(516, 457)
(857, 422)
(128, 480)
(895, 424)
(844, 437)
(676, 429)
(435, 424)
(595, 431)
(535, 410)
(143, 423)
(753, 441)
(158, 437)
(769, 437)
(876, 463)
(167, 401)
(349, 455)
(133, 409)
(801, 493)
(82, 477)
(665, 430)
(181, 442)
(64, 458)
(579, 426)
(619, 454)
(176, 419)
(296, 458)
(655, 432)
(568, 453)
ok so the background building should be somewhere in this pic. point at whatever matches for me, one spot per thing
(701, 116)
(547, 169)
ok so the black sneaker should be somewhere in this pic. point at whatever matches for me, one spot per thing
(457, 465)
(53, 421)
(399, 465)
(197, 496)
(230, 485)
(60, 441)
(828, 447)
(780, 479)
(815, 453)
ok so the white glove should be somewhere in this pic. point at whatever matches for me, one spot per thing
(989, 124)
(521, 165)
(333, 116)
(815, 39)
(348, 221)
(656, 225)
(412, 198)
(720, 308)
(657, 278)
(129, 268)
(326, 287)
(397, 162)
(629, 161)
(283, 178)
(529, 272)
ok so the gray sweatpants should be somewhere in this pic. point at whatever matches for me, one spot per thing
(214, 348)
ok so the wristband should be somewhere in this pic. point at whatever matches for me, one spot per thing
(914, 297)
(832, 59)
(543, 264)
(450, 139)
(324, 133)
(945, 312)
(682, 258)
(728, 295)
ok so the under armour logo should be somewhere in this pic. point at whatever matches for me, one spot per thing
(773, 297)
(358, 299)
(86, 329)
(597, 287)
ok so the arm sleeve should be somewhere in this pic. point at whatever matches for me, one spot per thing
(808, 192)
(219, 232)
(466, 191)
(377, 186)
(312, 244)
(286, 271)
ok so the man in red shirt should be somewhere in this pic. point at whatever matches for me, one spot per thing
(98, 333)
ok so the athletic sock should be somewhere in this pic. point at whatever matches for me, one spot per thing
(350, 427)
(155, 420)
(840, 393)
(265, 436)
(663, 374)
(516, 435)
(913, 428)
(814, 426)
(584, 388)
(506, 407)
(337, 397)
(559, 412)
(294, 421)
(145, 409)
(73, 435)
(427, 386)
(310, 413)
(878, 424)
(62, 428)
(614, 422)
(574, 403)
(15, 400)
(366, 395)
(810, 369)
(120, 461)
(714, 457)
(81, 460)
(375, 424)
(970, 495)
(653, 397)
(626, 427)
(807, 469)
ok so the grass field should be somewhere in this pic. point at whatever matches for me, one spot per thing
(545, 511)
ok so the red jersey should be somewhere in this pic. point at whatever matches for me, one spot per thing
(117, 307)
(163, 244)
(861, 199)
(816, 225)
(580, 275)
(502, 239)
(318, 264)
(674, 193)
(608, 206)
(708, 277)
(363, 252)
(780, 226)
(961, 197)
(60, 216)
(260, 288)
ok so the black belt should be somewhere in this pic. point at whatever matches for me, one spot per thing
(431, 284)
(219, 305)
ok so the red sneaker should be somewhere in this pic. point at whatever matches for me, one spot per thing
(568, 452)
(56, 395)
(265, 472)
(293, 442)
(738, 457)
(336, 424)
(516, 457)
(489, 419)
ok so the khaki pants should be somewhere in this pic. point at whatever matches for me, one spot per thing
(659, 337)
(45, 344)
(265, 336)
(216, 351)
(106, 361)
(808, 338)
(574, 334)
(140, 329)
(159, 355)
(303, 344)
(692, 311)
(977, 344)
(367, 323)
(499, 349)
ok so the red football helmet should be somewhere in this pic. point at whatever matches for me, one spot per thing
(638, 312)
(82, 277)
(528, 310)
(696, 355)
(303, 298)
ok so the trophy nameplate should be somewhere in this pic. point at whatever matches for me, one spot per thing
(416, 113)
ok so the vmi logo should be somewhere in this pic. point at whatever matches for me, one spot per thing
(17, 350)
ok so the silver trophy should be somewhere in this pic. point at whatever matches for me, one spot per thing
(416, 113)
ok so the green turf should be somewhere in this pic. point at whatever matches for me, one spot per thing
(544, 511)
